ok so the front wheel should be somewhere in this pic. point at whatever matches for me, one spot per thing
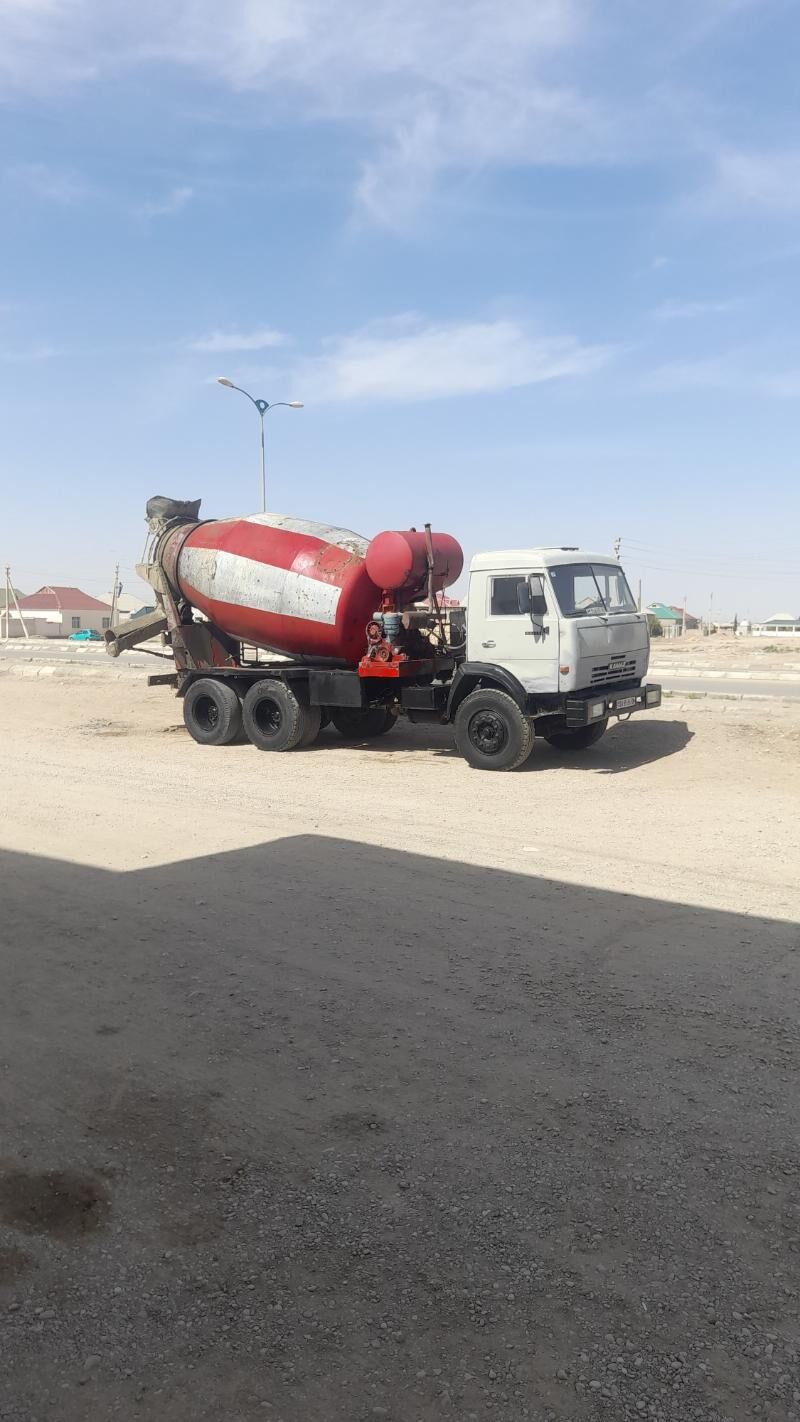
(212, 712)
(579, 739)
(492, 731)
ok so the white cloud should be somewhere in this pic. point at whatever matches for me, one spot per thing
(689, 310)
(757, 182)
(222, 341)
(409, 359)
(172, 202)
(431, 87)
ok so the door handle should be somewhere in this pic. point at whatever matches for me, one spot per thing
(488, 644)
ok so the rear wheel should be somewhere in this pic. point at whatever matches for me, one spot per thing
(579, 739)
(492, 731)
(313, 727)
(356, 725)
(274, 719)
(212, 712)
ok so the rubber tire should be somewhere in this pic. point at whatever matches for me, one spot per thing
(313, 727)
(580, 739)
(518, 728)
(291, 719)
(357, 725)
(212, 712)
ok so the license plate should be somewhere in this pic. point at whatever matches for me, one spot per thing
(624, 702)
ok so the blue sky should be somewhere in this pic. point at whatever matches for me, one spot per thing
(532, 267)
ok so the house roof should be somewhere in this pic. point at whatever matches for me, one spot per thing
(57, 599)
(782, 617)
(663, 613)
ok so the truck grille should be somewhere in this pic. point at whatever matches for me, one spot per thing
(613, 672)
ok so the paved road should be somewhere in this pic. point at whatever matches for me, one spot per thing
(726, 686)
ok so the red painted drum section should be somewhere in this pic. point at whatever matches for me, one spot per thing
(301, 588)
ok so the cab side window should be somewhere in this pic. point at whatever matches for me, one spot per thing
(505, 596)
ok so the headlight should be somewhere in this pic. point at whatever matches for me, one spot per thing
(596, 710)
(653, 695)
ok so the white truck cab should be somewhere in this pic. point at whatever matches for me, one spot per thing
(560, 619)
(555, 646)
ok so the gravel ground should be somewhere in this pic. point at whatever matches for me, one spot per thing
(354, 1084)
(761, 656)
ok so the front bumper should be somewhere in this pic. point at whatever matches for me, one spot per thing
(622, 701)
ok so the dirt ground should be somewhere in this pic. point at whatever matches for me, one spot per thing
(352, 1083)
(764, 656)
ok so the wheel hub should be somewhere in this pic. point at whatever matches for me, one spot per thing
(207, 713)
(268, 718)
(487, 732)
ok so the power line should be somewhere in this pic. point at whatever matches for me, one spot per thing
(729, 560)
(699, 568)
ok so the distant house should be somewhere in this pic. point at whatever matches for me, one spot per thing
(127, 606)
(692, 622)
(782, 624)
(668, 619)
(59, 611)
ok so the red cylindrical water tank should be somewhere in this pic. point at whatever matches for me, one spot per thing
(398, 561)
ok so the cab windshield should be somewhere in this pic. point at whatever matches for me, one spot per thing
(589, 589)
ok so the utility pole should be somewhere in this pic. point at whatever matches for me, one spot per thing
(11, 593)
(617, 545)
(114, 596)
(639, 596)
(711, 615)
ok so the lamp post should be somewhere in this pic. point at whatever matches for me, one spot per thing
(262, 407)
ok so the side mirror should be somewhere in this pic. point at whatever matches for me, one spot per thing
(537, 604)
(524, 597)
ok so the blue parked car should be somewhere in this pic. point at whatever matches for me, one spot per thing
(86, 634)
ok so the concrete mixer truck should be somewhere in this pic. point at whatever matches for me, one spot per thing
(278, 626)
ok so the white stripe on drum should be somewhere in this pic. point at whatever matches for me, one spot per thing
(244, 582)
(339, 537)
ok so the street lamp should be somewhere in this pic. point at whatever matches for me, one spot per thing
(262, 406)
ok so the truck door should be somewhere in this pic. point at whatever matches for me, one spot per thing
(499, 633)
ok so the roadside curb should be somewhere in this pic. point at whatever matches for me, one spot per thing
(676, 694)
(702, 674)
(70, 672)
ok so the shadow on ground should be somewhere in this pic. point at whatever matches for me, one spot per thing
(625, 746)
(319, 1131)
